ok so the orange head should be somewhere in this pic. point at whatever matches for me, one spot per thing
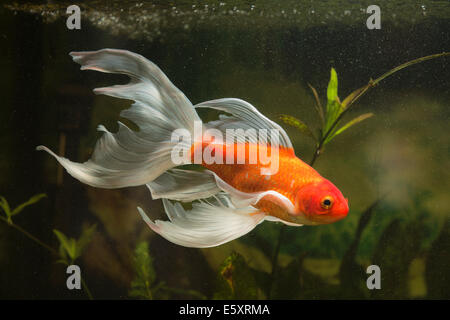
(321, 202)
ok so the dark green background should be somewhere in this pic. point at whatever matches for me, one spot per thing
(266, 55)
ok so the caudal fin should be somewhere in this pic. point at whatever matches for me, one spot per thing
(132, 158)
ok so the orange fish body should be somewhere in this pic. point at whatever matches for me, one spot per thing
(291, 177)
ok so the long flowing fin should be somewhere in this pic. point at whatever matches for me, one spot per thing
(244, 116)
(184, 185)
(131, 158)
(275, 219)
(209, 223)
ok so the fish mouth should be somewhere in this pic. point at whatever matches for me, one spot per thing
(342, 209)
(339, 212)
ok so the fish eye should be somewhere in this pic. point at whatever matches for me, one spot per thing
(326, 202)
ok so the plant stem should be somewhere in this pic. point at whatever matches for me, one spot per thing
(44, 245)
(29, 236)
(317, 152)
(86, 288)
(373, 83)
(283, 226)
(409, 63)
(147, 289)
(275, 259)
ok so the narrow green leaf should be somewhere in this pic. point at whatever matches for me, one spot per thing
(407, 64)
(5, 206)
(67, 246)
(298, 124)
(61, 237)
(334, 107)
(348, 125)
(318, 105)
(333, 112)
(30, 201)
(332, 90)
(353, 122)
(355, 95)
(352, 97)
(84, 239)
(73, 249)
(62, 261)
(63, 254)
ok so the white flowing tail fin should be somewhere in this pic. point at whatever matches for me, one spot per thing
(132, 158)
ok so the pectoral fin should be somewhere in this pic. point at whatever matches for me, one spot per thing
(244, 199)
(184, 185)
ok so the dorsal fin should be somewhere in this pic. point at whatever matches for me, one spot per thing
(244, 116)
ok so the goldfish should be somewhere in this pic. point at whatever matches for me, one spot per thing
(234, 185)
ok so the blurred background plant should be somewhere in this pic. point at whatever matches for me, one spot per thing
(144, 284)
(328, 130)
(70, 249)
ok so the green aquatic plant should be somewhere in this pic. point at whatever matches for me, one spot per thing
(399, 244)
(236, 280)
(331, 118)
(351, 273)
(145, 285)
(4, 205)
(6, 208)
(69, 250)
(335, 110)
